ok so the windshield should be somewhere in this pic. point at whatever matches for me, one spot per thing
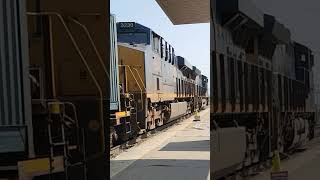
(135, 38)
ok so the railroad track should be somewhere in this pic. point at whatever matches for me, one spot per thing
(116, 150)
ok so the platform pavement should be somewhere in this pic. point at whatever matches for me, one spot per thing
(179, 152)
(303, 165)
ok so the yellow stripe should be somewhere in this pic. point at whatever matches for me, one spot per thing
(35, 165)
(122, 114)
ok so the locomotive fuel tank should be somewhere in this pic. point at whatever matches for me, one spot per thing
(178, 109)
(228, 150)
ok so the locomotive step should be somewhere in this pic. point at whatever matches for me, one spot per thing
(142, 131)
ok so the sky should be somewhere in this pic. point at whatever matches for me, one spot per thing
(302, 18)
(189, 41)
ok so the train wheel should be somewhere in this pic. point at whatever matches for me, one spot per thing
(159, 122)
(151, 124)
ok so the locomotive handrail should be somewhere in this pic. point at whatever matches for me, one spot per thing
(141, 93)
(54, 92)
(83, 61)
(144, 86)
(93, 45)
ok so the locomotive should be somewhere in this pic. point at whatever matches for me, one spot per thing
(155, 86)
(261, 99)
(56, 89)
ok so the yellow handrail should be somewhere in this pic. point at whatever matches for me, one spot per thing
(93, 45)
(141, 90)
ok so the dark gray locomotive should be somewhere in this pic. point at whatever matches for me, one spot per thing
(261, 87)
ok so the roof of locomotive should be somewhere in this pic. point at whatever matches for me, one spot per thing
(137, 28)
(133, 27)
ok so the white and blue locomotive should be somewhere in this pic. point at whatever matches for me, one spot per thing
(160, 85)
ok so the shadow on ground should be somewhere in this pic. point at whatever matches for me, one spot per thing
(165, 169)
(203, 145)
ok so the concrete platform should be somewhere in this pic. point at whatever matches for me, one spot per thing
(304, 165)
(179, 152)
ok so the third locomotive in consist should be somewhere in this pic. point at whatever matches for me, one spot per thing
(261, 87)
(154, 85)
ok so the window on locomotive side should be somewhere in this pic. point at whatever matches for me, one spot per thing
(161, 48)
(173, 57)
(303, 58)
(170, 57)
(179, 87)
(166, 51)
(182, 87)
(156, 43)
(158, 84)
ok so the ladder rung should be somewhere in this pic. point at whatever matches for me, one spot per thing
(59, 144)
(72, 147)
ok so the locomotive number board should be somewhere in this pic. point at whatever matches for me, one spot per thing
(127, 25)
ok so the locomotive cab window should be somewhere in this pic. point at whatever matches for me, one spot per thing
(133, 37)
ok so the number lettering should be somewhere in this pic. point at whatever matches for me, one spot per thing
(126, 25)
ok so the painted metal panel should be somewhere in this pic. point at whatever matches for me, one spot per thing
(114, 73)
(178, 109)
(14, 81)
